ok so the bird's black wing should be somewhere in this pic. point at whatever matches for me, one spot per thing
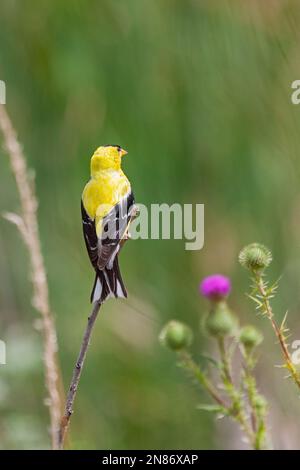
(115, 225)
(90, 236)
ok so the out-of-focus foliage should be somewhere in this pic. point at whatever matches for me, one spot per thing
(198, 92)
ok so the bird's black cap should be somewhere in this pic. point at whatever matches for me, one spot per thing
(113, 145)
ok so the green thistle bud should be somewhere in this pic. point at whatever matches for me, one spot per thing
(255, 257)
(250, 337)
(220, 321)
(176, 335)
(260, 404)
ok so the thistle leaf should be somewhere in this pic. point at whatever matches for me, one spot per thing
(211, 360)
(255, 299)
(211, 408)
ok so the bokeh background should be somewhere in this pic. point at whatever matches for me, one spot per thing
(199, 93)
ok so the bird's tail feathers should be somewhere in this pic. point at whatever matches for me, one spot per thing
(108, 283)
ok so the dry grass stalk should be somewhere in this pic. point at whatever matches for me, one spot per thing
(27, 224)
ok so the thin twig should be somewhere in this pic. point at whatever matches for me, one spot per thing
(28, 227)
(76, 374)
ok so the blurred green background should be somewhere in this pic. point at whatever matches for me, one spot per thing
(199, 93)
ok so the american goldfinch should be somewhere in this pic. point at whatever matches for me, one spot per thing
(107, 207)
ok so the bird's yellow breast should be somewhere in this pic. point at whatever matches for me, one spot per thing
(103, 192)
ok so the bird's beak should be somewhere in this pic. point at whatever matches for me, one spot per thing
(123, 152)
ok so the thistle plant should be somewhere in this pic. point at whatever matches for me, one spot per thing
(234, 397)
(249, 339)
(256, 258)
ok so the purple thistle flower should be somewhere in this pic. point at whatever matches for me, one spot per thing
(215, 287)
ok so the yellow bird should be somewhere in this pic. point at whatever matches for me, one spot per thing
(107, 207)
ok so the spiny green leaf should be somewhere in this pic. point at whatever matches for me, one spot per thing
(284, 320)
(255, 300)
(211, 408)
(210, 359)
